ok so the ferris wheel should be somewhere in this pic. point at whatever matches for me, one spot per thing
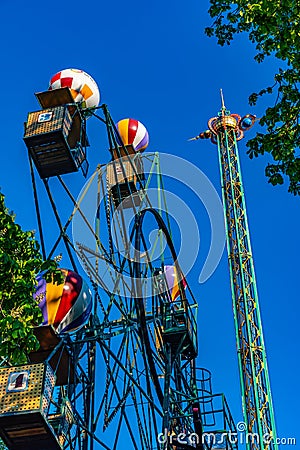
(116, 367)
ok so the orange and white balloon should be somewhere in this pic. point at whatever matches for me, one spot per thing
(83, 87)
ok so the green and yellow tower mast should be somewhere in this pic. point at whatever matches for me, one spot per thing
(225, 131)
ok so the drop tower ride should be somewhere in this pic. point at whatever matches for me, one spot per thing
(225, 131)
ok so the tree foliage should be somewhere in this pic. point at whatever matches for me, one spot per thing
(274, 27)
(20, 262)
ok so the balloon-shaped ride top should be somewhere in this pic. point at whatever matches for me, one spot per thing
(133, 132)
(66, 306)
(173, 283)
(83, 87)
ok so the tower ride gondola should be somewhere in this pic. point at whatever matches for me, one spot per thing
(119, 370)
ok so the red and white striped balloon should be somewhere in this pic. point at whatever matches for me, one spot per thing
(133, 132)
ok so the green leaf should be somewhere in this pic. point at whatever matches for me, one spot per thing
(20, 262)
(277, 35)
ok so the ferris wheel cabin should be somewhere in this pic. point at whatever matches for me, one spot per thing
(56, 136)
(123, 175)
(27, 419)
(180, 327)
(35, 411)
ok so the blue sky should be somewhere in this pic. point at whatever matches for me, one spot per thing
(153, 62)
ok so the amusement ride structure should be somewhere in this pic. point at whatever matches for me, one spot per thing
(117, 363)
(225, 131)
